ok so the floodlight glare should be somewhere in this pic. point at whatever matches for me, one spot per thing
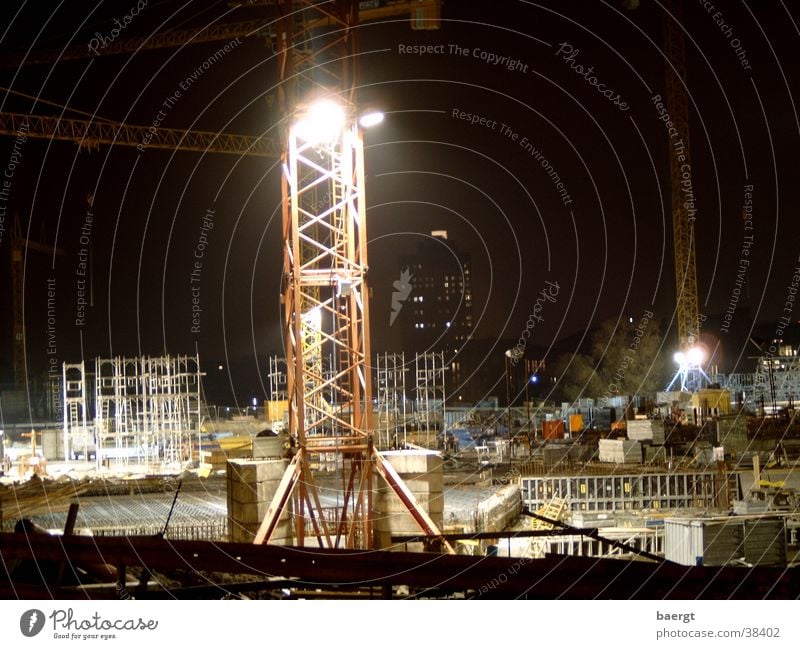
(322, 122)
(680, 358)
(695, 356)
(371, 119)
(313, 318)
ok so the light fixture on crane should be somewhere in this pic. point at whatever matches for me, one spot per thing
(690, 375)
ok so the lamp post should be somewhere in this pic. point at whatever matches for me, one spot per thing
(511, 355)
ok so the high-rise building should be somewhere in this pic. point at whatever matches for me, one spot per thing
(436, 314)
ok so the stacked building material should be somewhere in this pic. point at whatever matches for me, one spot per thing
(654, 454)
(765, 541)
(649, 430)
(620, 451)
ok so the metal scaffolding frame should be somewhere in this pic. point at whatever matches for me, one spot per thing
(390, 376)
(76, 432)
(774, 384)
(277, 378)
(147, 409)
(430, 387)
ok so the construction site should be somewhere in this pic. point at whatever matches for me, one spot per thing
(359, 471)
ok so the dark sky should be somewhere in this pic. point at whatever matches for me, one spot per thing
(606, 239)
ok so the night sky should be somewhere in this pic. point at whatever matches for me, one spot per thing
(480, 115)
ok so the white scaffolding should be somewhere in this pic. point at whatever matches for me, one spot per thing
(430, 389)
(76, 433)
(146, 409)
(774, 384)
(391, 403)
(277, 378)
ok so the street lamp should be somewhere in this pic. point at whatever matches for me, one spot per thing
(512, 355)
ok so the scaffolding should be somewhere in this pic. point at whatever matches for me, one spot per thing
(390, 375)
(430, 388)
(76, 432)
(277, 378)
(146, 409)
(775, 383)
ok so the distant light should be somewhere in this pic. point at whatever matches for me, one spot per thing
(680, 358)
(322, 122)
(696, 356)
(448, 324)
(630, 319)
(255, 402)
(219, 367)
(534, 379)
(371, 119)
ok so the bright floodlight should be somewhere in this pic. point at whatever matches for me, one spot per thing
(313, 318)
(695, 356)
(322, 122)
(371, 119)
(680, 358)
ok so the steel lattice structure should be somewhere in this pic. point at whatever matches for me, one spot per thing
(326, 314)
(325, 295)
(690, 374)
(92, 133)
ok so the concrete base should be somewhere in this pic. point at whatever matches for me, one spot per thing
(422, 473)
(251, 485)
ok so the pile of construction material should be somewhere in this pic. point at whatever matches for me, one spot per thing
(648, 430)
(620, 451)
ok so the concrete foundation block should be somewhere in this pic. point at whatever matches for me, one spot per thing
(252, 492)
(247, 533)
(388, 502)
(418, 482)
(251, 471)
(401, 523)
(417, 462)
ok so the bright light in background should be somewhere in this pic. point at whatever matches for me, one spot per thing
(322, 122)
(219, 367)
(534, 379)
(696, 356)
(255, 402)
(313, 318)
(371, 119)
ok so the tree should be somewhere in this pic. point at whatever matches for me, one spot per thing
(625, 358)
